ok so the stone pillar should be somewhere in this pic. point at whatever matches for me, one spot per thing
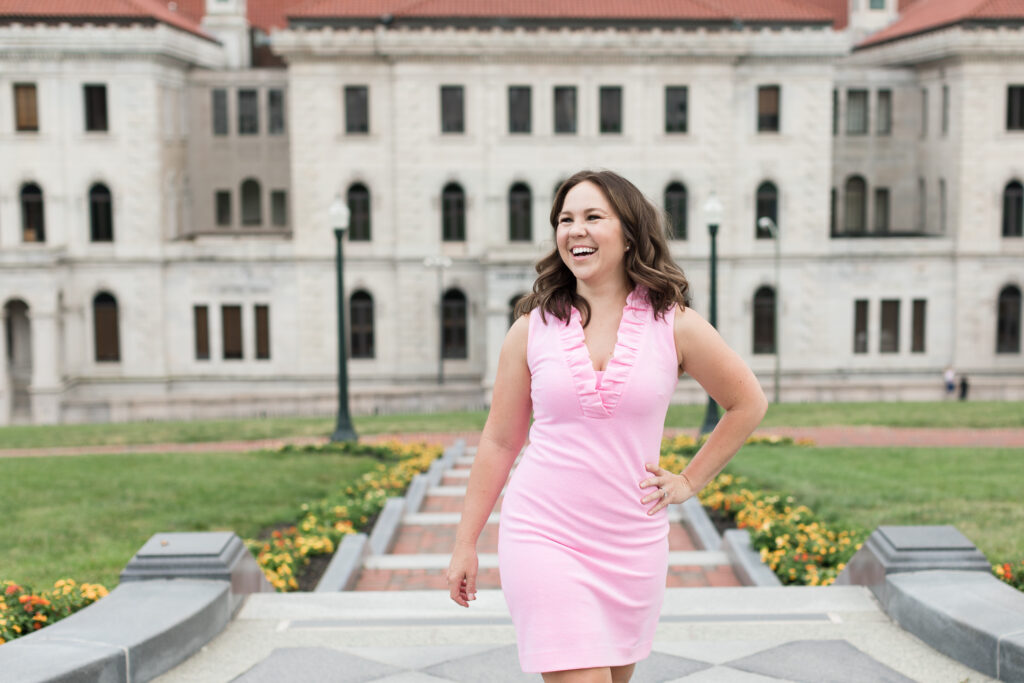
(45, 390)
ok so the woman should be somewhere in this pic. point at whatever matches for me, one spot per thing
(595, 354)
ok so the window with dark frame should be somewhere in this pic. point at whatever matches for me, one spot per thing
(361, 319)
(856, 112)
(883, 116)
(918, 322)
(26, 112)
(855, 205)
(33, 224)
(565, 109)
(767, 205)
(231, 331)
(454, 325)
(104, 319)
(889, 338)
(1013, 209)
(222, 198)
(860, 326)
(452, 109)
(676, 108)
(675, 208)
(922, 205)
(101, 216)
(252, 210)
(832, 213)
(764, 320)
(359, 227)
(95, 107)
(453, 213)
(512, 308)
(924, 112)
(201, 323)
(275, 111)
(877, 4)
(1008, 320)
(945, 110)
(357, 109)
(519, 109)
(881, 210)
(610, 105)
(768, 106)
(835, 112)
(279, 208)
(1015, 107)
(942, 206)
(219, 106)
(248, 112)
(262, 314)
(520, 213)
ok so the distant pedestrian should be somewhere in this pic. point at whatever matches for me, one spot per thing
(949, 376)
(963, 387)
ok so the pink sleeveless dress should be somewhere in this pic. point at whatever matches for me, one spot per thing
(582, 564)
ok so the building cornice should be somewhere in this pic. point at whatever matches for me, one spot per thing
(964, 41)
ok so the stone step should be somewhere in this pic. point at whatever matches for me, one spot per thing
(687, 558)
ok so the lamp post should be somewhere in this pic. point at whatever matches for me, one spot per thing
(339, 215)
(439, 262)
(712, 216)
(766, 223)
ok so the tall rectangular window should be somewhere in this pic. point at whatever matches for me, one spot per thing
(610, 105)
(26, 116)
(945, 109)
(357, 109)
(565, 109)
(95, 107)
(918, 320)
(922, 205)
(942, 206)
(453, 118)
(856, 112)
(519, 106)
(835, 112)
(279, 207)
(219, 105)
(231, 331)
(881, 209)
(223, 201)
(860, 326)
(924, 112)
(889, 341)
(768, 108)
(877, 4)
(200, 316)
(248, 112)
(1015, 107)
(262, 331)
(275, 111)
(676, 108)
(883, 117)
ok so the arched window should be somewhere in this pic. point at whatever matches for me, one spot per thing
(454, 324)
(1013, 210)
(675, 207)
(767, 205)
(453, 213)
(1008, 325)
(360, 314)
(359, 213)
(520, 225)
(512, 308)
(252, 211)
(105, 328)
(764, 320)
(33, 226)
(101, 215)
(855, 205)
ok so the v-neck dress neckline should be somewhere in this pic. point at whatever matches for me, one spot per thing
(601, 402)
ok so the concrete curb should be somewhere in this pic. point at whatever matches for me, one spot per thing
(699, 525)
(382, 537)
(970, 616)
(343, 569)
(415, 493)
(746, 562)
(139, 631)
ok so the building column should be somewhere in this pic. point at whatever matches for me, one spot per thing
(5, 380)
(45, 390)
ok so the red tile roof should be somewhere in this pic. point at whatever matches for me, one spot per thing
(99, 10)
(929, 15)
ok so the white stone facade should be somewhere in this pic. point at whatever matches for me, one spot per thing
(163, 166)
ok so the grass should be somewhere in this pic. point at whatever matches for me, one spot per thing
(978, 491)
(947, 414)
(84, 517)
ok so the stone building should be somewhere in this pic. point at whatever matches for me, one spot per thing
(166, 249)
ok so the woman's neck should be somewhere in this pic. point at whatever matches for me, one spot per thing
(610, 291)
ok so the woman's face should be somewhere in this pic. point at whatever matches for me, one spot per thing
(589, 234)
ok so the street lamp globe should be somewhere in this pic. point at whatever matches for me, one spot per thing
(713, 210)
(339, 213)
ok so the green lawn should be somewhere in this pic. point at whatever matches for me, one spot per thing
(948, 414)
(978, 491)
(84, 517)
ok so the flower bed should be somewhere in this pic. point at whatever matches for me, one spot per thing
(325, 522)
(23, 611)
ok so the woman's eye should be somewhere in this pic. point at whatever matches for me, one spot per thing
(565, 219)
(593, 217)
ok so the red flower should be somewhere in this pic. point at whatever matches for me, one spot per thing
(12, 589)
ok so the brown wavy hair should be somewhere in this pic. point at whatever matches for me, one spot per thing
(647, 261)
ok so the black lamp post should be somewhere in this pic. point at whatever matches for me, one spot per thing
(343, 431)
(713, 216)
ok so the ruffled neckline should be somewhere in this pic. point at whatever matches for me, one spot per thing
(601, 403)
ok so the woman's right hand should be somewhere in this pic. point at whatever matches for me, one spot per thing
(462, 571)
